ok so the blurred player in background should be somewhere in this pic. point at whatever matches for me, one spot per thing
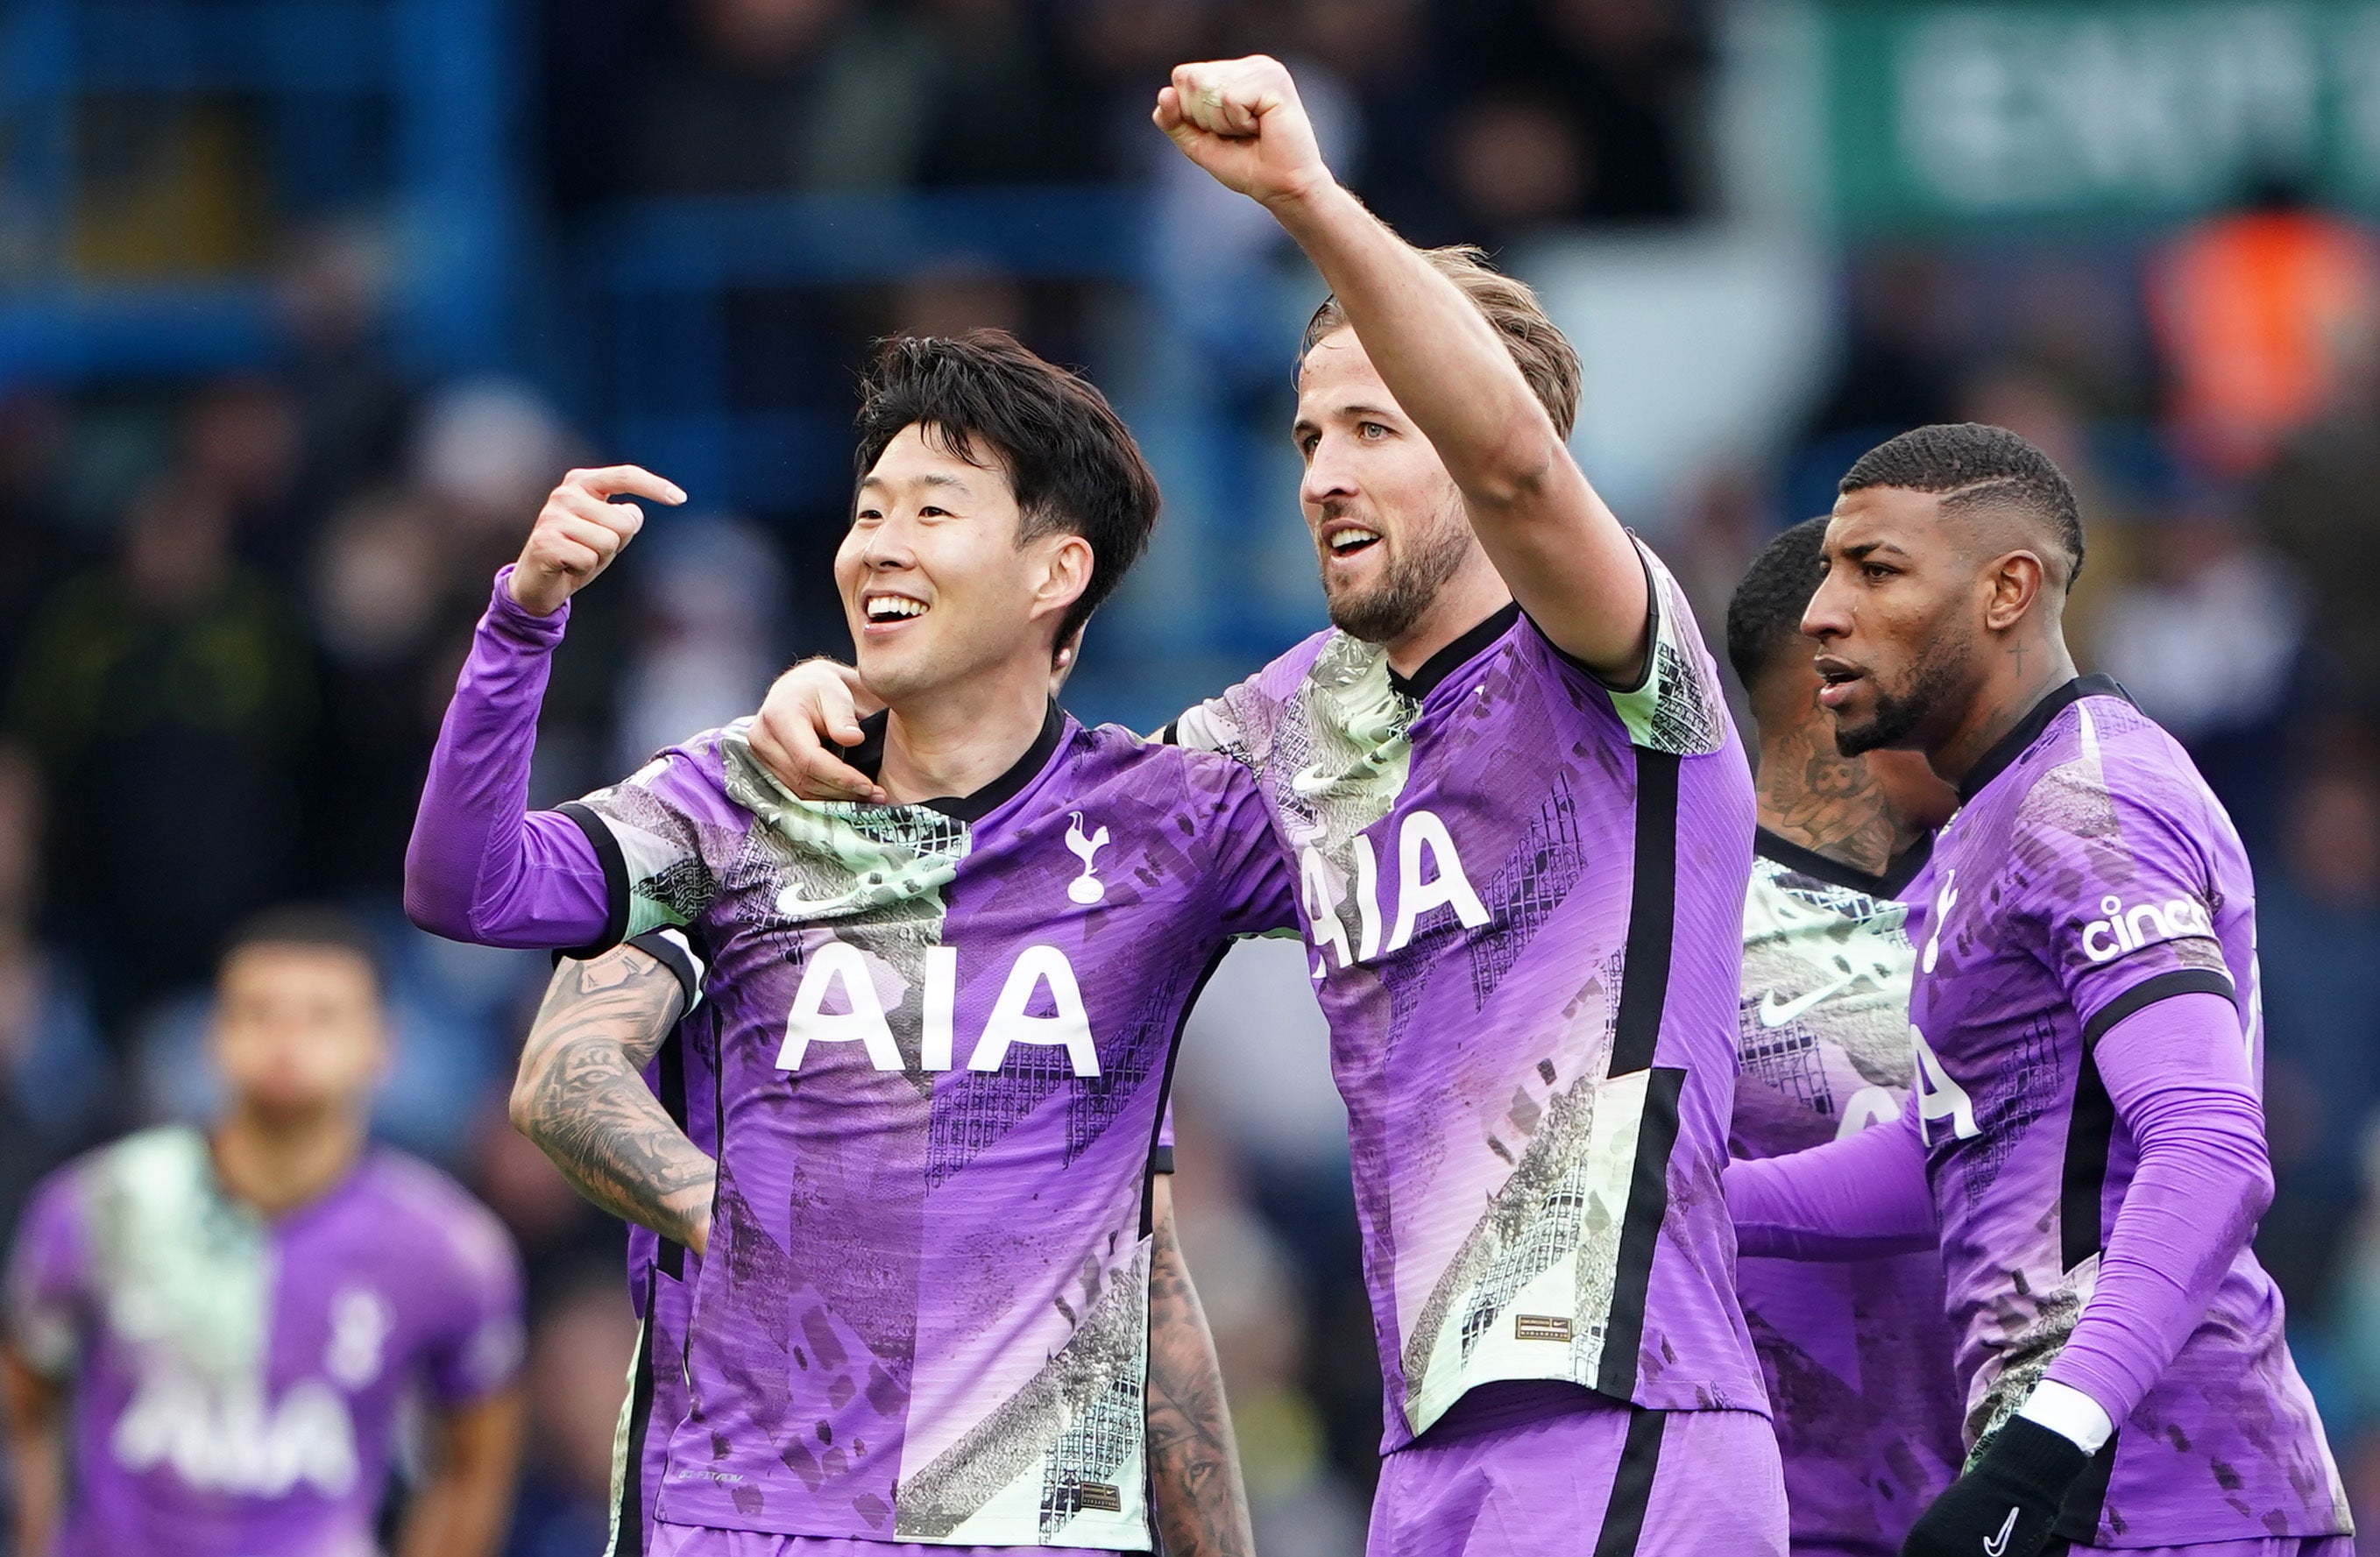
(1522, 827)
(930, 1241)
(216, 1337)
(1857, 1354)
(2087, 1141)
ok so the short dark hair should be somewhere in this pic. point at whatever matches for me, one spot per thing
(1538, 348)
(316, 925)
(1977, 466)
(1070, 460)
(1764, 615)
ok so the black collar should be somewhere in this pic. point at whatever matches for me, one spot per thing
(2010, 746)
(869, 758)
(1810, 862)
(1443, 664)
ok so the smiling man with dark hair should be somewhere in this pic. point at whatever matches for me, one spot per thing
(937, 1299)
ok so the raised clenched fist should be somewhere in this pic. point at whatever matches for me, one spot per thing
(580, 530)
(1239, 119)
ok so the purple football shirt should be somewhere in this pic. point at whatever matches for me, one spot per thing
(2088, 874)
(238, 1381)
(1857, 1354)
(1522, 892)
(943, 1036)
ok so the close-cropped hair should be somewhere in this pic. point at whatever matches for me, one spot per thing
(316, 926)
(1071, 463)
(1764, 615)
(1975, 465)
(1543, 353)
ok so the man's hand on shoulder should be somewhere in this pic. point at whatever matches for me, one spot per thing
(813, 707)
(1241, 120)
(580, 530)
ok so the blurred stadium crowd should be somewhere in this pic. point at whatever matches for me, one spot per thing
(231, 609)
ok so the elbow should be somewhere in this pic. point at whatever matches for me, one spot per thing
(2256, 1190)
(433, 904)
(522, 1106)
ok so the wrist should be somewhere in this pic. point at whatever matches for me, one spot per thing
(2070, 1413)
(1303, 201)
(507, 609)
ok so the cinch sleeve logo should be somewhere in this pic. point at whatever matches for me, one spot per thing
(838, 973)
(2128, 929)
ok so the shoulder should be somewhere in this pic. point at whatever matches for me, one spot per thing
(439, 1218)
(1247, 712)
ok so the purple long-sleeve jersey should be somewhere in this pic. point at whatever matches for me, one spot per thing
(2088, 874)
(238, 1381)
(1524, 894)
(943, 1035)
(1857, 1354)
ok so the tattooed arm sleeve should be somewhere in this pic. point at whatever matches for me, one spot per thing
(1202, 1508)
(581, 1095)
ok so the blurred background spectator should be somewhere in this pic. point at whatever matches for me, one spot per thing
(298, 327)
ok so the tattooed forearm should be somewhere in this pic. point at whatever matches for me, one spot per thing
(1202, 1507)
(580, 1096)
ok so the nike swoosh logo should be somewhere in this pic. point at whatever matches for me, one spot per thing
(1996, 1545)
(1309, 780)
(1775, 1013)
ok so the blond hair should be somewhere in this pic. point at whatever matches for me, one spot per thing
(1543, 353)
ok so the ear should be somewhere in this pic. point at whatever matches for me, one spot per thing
(1065, 573)
(2015, 580)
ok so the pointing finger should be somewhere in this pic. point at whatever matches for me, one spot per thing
(612, 480)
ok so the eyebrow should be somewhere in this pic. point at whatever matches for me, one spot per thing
(1306, 424)
(1866, 549)
(931, 479)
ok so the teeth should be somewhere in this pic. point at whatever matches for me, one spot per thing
(884, 608)
(1348, 540)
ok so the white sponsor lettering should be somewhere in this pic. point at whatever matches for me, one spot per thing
(1943, 900)
(1869, 1105)
(229, 1440)
(941, 1007)
(838, 965)
(2128, 929)
(1429, 876)
(1939, 1096)
(1447, 886)
(1069, 1028)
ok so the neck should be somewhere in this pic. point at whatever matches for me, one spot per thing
(957, 740)
(276, 1164)
(2021, 673)
(1475, 593)
(1811, 794)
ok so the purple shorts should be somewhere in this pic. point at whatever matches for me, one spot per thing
(1525, 1472)
(689, 1540)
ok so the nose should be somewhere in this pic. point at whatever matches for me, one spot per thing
(1329, 474)
(1829, 613)
(888, 545)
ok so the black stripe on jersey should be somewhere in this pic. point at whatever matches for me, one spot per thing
(631, 1511)
(672, 1099)
(1631, 1484)
(2078, 1516)
(1652, 915)
(615, 877)
(2091, 1129)
(1164, 1095)
(1640, 1232)
(1637, 1030)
